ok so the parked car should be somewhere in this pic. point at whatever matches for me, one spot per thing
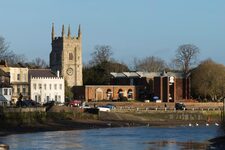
(110, 106)
(103, 108)
(21, 103)
(180, 106)
(74, 103)
(31, 103)
(49, 103)
(86, 106)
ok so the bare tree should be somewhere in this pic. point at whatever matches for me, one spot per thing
(39, 63)
(101, 54)
(15, 59)
(8, 55)
(149, 64)
(186, 57)
(5, 53)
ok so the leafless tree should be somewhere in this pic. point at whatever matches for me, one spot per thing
(5, 53)
(101, 54)
(186, 57)
(8, 55)
(149, 64)
(39, 63)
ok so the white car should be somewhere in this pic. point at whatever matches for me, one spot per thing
(85, 106)
(102, 108)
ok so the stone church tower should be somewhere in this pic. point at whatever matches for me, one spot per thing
(66, 56)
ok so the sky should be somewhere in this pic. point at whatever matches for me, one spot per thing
(133, 28)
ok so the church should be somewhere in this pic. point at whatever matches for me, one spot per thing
(66, 58)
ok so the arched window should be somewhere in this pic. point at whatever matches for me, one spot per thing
(120, 93)
(70, 56)
(99, 94)
(130, 94)
(109, 94)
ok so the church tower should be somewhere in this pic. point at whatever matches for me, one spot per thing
(66, 56)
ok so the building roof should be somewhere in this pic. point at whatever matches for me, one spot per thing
(41, 73)
(117, 75)
(3, 73)
(146, 74)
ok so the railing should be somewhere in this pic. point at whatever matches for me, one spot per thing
(149, 109)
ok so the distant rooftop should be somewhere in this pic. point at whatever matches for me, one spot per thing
(3, 73)
(41, 73)
(145, 74)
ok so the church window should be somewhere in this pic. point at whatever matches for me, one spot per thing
(70, 56)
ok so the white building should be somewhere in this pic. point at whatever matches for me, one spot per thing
(46, 86)
(5, 95)
(5, 88)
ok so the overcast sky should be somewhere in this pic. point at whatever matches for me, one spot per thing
(134, 28)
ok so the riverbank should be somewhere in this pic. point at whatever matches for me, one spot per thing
(64, 124)
(67, 118)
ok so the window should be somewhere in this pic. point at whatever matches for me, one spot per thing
(18, 77)
(39, 98)
(48, 98)
(59, 98)
(60, 86)
(24, 90)
(70, 56)
(39, 86)
(10, 92)
(50, 86)
(5, 91)
(55, 86)
(35, 86)
(36, 98)
(18, 90)
(55, 97)
(45, 86)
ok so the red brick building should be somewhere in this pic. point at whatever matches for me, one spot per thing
(167, 86)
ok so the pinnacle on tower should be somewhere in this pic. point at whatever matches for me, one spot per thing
(63, 30)
(53, 32)
(79, 32)
(68, 31)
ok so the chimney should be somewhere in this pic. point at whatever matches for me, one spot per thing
(58, 73)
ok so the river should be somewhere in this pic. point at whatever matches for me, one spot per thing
(131, 138)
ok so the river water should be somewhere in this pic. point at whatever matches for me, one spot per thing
(130, 138)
